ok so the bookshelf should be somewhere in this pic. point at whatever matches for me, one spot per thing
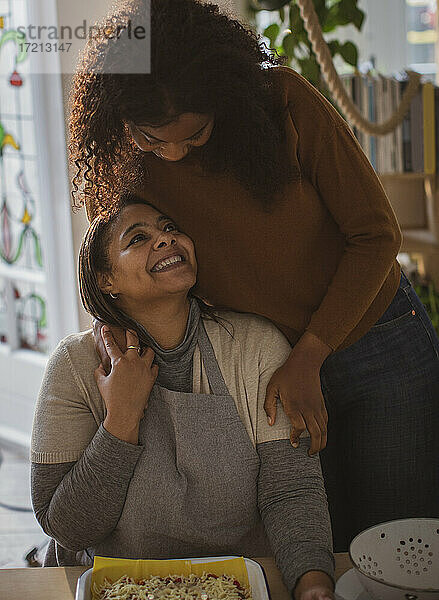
(406, 159)
(415, 200)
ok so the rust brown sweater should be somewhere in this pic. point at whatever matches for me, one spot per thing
(324, 260)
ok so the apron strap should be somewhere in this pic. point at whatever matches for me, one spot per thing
(214, 375)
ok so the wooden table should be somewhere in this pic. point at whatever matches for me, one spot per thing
(59, 583)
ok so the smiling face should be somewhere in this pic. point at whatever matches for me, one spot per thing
(151, 261)
(174, 141)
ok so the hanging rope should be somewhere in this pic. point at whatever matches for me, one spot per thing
(336, 87)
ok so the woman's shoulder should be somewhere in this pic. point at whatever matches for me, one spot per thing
(242, 321)
(77, 348)
(79, 340)
(307, 104)
(247, 328)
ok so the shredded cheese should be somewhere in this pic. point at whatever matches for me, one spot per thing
(173, 587)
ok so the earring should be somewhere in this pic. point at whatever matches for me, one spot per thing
(114, 297)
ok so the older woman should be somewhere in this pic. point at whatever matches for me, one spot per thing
(175, 458)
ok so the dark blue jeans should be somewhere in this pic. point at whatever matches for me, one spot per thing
(382, 396)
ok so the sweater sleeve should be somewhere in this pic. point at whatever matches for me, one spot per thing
(332, 160)
(291, 493)
(293, 506)
(354, 196)
(64, 420)
(69, 505)
(67, 429)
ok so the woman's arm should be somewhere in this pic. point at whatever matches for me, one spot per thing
(92, 493)
(356, 200)
(293, 506)
(79, 504)
(332, 160)
(291, 494)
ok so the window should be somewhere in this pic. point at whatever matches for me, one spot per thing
(37, 274)
(421, 35)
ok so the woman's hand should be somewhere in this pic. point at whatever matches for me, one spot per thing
(126, 389)
(119, 337)
(314, 585)
(297, 384)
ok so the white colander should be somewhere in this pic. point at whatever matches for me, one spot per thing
(399, 560)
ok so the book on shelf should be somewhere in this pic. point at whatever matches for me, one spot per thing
(406, 139)
(429, 128)
(372, 117)
(397, 134)
(436, 125)
(416, 133)
(413, 146)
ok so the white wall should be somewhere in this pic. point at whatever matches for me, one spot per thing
(382, 36)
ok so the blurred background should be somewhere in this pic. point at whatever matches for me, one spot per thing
(373, 44)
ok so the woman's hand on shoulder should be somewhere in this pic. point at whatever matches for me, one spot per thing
(314, 585)
(297, 384)
(118, 335)
(126, 389)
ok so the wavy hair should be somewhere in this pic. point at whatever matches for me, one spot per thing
(202, 61)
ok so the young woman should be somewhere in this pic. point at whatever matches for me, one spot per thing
(174, 459)
(290, 222)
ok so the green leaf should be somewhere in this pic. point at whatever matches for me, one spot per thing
(282, 14)
(280, 50)
(310, 70)
(358, 18)
(322, 14)
(331, 21)
(271, 32)
(296, 26)
(295, 18)
(350, 13)
(319, 5)
(349, 52)
(289, 44)
(334, 46)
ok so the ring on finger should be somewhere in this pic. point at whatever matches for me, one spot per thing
(134, 348)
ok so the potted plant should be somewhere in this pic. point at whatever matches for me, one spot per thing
(287, 35)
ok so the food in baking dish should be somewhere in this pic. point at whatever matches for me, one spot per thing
(174, 587)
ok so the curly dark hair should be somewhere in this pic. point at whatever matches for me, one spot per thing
(202, 61)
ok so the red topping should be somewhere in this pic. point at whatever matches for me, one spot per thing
(238, 585)
(213, 575)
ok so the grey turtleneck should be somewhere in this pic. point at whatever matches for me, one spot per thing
(175, 365)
